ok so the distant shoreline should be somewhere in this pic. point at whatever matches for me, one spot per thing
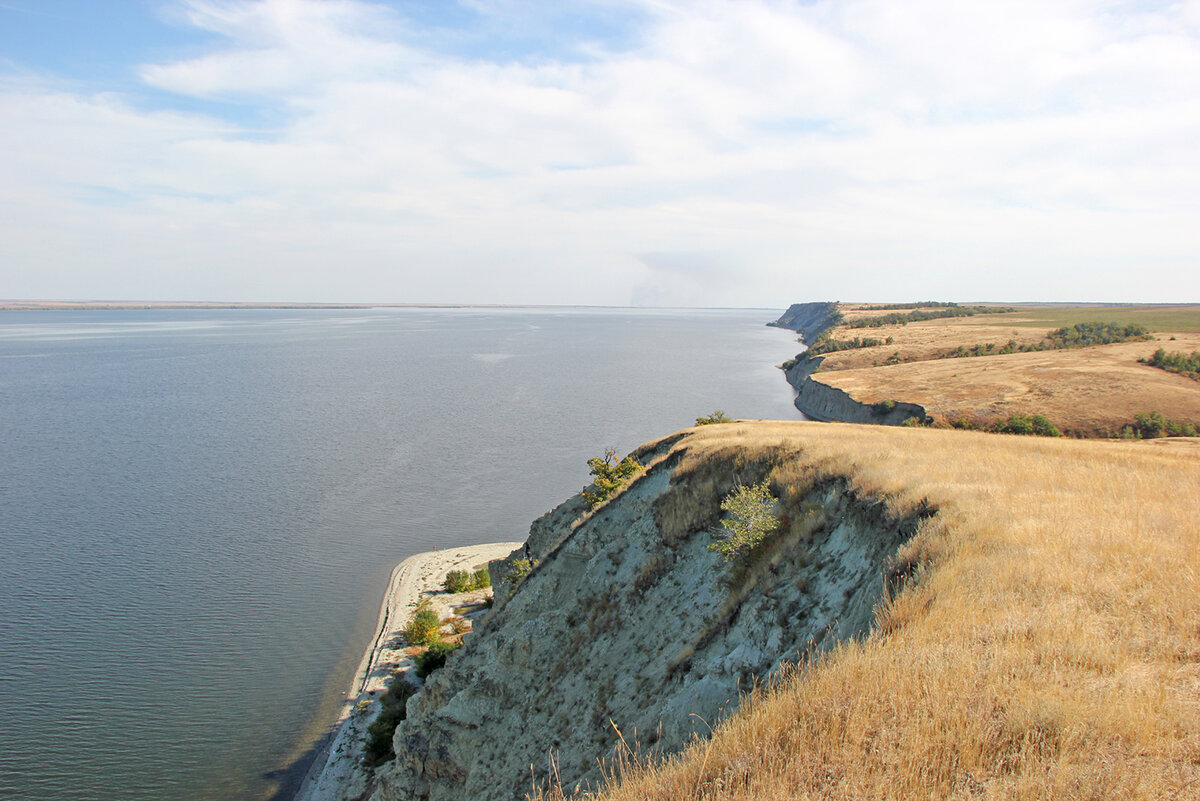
(150, 305)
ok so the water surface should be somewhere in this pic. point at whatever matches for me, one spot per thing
(199, 509)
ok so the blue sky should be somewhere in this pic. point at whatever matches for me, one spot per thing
(645, 152)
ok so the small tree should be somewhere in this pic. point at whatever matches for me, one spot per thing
(716, 417)
(751, 520)
(423, 627)
(611, 476)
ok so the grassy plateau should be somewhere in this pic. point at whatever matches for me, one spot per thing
(1046, 646)
(1091, 391)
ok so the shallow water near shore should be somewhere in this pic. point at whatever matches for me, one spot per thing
(201, 508)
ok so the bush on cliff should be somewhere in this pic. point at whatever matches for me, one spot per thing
(434, 656)
(713, 419)
(752, 518)
(611, 476)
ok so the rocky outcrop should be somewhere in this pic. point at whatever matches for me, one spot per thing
(823, 402)
(809, 320)
(630, 627)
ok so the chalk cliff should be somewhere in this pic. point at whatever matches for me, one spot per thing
(819, 400)
(630, 627)
(809, 319)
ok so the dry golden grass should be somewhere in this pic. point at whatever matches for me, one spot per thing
(1049, 650)
(1088, 391)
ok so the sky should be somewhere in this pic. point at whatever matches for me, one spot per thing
(602, 152)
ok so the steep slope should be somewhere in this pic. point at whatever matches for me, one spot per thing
(630, 628)
(809, 320)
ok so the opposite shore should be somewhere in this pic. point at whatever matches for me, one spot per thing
(337, 771)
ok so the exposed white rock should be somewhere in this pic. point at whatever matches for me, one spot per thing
(618, 628)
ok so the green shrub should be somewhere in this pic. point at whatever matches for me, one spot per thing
(752, 519)
(458, 581)
(713, 419)
(423, 627)
(912, 422)
(383, 728)
(610, 476)
(1034, 424)
(884, 407)
(434, 656)
(1152, 425)
(481, 578)
(1177, 362)
(518, 571)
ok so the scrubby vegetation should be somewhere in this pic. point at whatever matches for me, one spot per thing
(1176, 362)
(752, 518)
(1030, 424)
(923, 304)
(519, 570)
(383, 728)
(610, 476)
(883, 407)
(434, 656)
(896, 318)
(1080, 335)
(1152, 425)
(464, 581)
(715, 418)
(423, 627)
(826, 344)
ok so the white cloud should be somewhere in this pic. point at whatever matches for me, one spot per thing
(749, 152)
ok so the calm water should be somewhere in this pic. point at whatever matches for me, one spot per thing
(199, 510)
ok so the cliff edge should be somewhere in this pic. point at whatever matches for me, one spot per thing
(818, 400)
(630, 630)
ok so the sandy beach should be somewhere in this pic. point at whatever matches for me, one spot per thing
(337, 773)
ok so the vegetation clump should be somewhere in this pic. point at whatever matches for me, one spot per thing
(825, 344)
(1031, 424)
(383, 728)
(715, 418)
(1028, 424)
(423, 627)
(896, 318)
(1080, 335)
(1153, 425)
(1177, 362)
(464, 581)
(434, 656)
(610, 476)
(921, 304)
(883, 407)
(519, 570)
(752, 518)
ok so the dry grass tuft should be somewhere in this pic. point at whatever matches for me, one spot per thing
(1049, 650)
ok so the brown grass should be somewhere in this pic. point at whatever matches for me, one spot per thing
(1049, 650)
(1088, 391)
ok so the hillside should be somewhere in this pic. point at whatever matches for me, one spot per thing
(1085, 391)
(975, 616)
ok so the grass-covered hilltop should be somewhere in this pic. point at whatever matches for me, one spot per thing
(1091, 371)
(827, 610)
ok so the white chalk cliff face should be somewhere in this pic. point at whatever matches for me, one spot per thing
(630, 623)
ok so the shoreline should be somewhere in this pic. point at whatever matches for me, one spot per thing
(335, 773)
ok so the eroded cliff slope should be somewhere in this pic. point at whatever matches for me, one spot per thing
(629, 626)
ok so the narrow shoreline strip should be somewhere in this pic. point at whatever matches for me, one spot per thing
(336, 771)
